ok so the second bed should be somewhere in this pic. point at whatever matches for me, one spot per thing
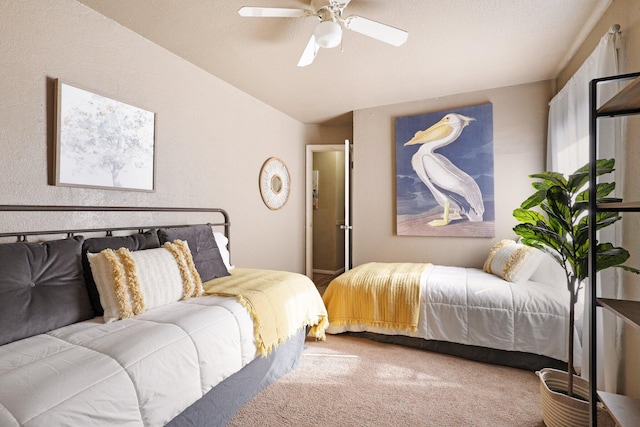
(515, 314)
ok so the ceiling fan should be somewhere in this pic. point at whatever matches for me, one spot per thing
(328, 33)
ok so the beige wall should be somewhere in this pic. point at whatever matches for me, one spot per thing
(626, 13)
(211, 138)
(519, 122)
(328, 134)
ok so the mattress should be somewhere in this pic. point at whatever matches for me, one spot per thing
(471, 307)
(134, 372)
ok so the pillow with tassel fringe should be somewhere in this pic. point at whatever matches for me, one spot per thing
(130, 283)
(513, 262)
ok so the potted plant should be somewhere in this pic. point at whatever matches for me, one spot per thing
(554, 219)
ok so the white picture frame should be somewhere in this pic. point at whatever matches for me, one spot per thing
(102, 143)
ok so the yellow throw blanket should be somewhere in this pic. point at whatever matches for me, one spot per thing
(386, 295)
(280, 303)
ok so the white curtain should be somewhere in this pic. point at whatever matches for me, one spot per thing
(567, 150)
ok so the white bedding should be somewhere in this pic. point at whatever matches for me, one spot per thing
(90, 373)
(470, 306)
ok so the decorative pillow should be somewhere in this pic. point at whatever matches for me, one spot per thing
(492, 253)
(204, 250)
(550, 272)
(514, 262)
(130, 283)
(135, 242)
(222, 242)
(41, 288)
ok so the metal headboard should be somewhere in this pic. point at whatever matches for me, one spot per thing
(22, 235)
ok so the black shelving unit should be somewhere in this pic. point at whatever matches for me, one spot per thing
(625, 410)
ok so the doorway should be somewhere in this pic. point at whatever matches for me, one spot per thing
(327, 210)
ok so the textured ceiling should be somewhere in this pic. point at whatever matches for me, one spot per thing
(454, 46)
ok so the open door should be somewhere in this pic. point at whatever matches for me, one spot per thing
(347, 227)
(317, 200)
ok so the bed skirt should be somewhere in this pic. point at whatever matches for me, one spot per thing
(220, 404)
(514, 359)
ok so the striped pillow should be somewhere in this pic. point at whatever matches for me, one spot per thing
(494, 250)
(513, 262)
(130, 283)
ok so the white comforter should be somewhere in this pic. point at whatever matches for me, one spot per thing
(469, 306)
(91, 373)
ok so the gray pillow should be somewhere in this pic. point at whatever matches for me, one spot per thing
(135, 242)
(41, 288)
(204, 250)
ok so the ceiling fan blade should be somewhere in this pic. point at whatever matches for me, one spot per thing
(309, 53)
(385, 33)
(272, 12)
(339, 3)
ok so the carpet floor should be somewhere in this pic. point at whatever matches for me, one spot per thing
(349, 381)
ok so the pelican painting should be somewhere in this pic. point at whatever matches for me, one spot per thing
(452, 188)
(444, 173)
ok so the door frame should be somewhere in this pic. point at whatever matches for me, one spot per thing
(309, 199)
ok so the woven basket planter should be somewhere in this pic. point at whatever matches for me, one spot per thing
(560, 410)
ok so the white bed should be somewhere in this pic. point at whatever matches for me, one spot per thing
(474, 309)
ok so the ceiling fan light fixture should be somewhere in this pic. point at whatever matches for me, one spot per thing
(328, 34)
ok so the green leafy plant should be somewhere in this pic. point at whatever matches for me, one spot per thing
(555, 220)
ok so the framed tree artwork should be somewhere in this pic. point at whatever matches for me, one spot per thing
(444, 173)
(102, 143)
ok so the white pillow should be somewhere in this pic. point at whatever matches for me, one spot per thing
(221, 242)
(550, 272)
(130, 283)
(513, 262)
